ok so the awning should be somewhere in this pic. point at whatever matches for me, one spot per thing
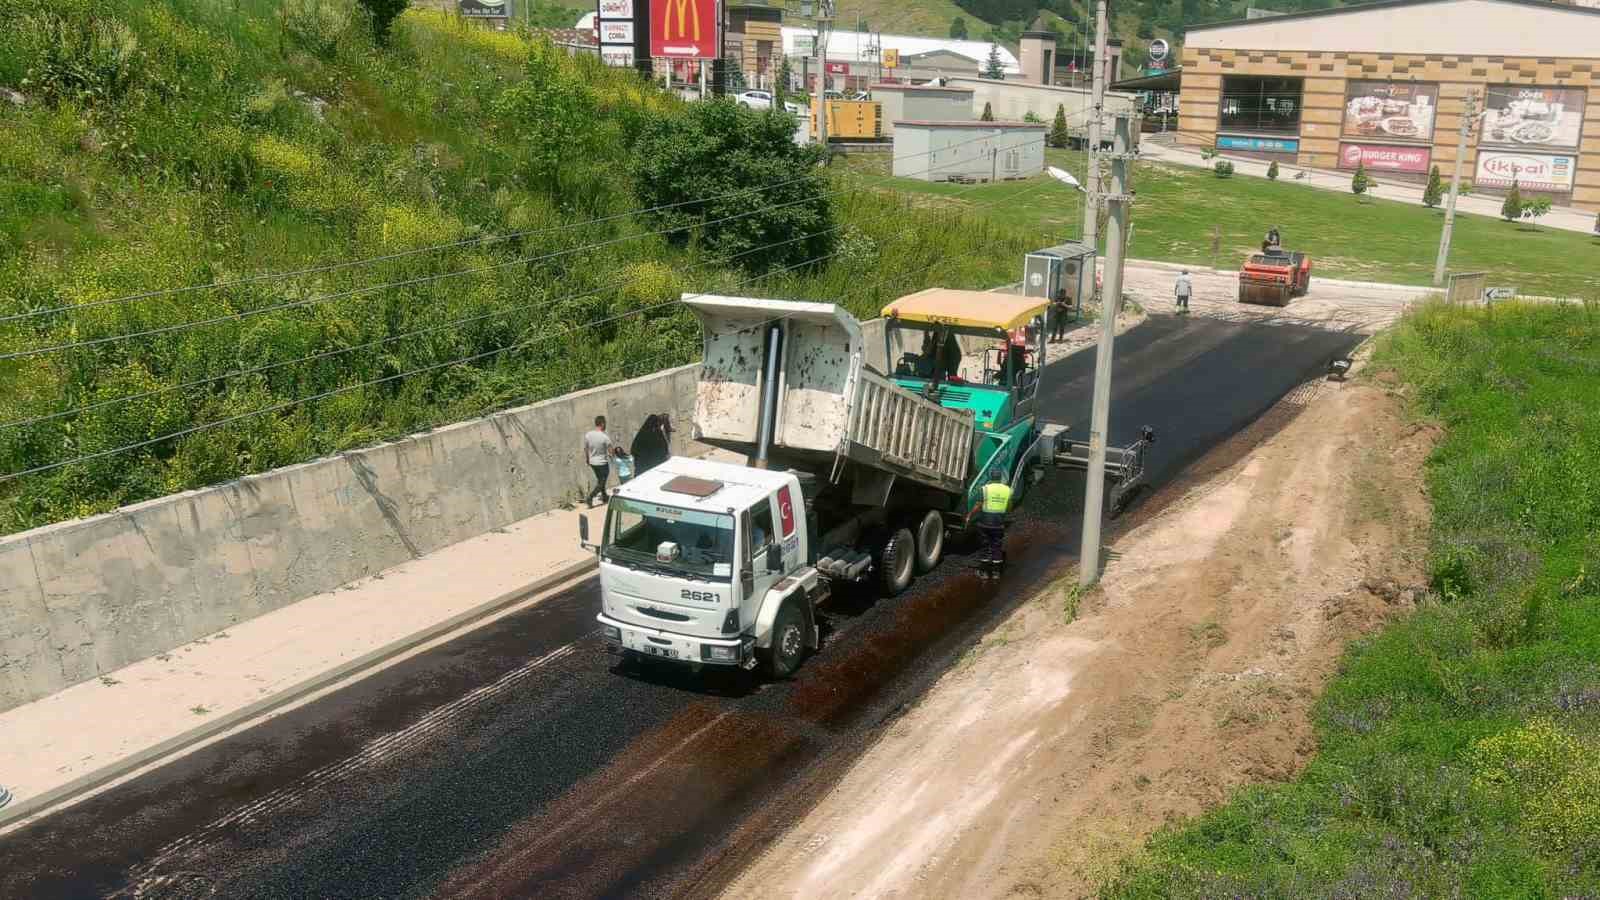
(1166, 82)
(967, 309)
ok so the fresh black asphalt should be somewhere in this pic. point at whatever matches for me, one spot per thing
(576, 777)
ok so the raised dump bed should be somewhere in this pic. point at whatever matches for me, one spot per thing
(829, 406)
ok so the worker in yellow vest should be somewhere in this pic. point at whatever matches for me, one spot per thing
(992, 522)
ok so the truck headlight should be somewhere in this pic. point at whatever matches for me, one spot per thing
(719, 654)
(612, 633)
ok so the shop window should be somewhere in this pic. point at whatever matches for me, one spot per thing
(1254, 104)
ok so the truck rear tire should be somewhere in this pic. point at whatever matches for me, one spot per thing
(896, 561)
(788, 648)
(930, 542)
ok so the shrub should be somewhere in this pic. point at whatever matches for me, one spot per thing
(1032, 118)
(1208, 152)
(1272, 171)
(1223, 168)
(1511, 209)
(382, 14)
(1360, 181)
(1434, 192)
(717, 150)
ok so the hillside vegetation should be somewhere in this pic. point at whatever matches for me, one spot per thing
(162, 144)
(1459, 749)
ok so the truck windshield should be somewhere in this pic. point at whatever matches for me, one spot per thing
(636, 531)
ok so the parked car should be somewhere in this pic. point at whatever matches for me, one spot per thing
(755, 99)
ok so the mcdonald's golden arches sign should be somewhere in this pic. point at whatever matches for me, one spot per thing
(685, 29)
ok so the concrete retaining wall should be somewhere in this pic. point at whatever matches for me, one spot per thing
(81, 598)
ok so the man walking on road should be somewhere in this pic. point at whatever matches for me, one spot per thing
(1182, 290)
(598, 450)
(992, 522)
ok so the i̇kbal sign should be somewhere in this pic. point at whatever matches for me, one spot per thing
(685, 29)
(1531, 171)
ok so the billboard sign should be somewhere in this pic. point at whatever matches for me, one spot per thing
(838, 68)
(805, 44)
(1383, 158)
(1257, 144)
(616, 9)
(1388, 111)
(891, 59)
(685, 29)
(1531, 171)
(485, 9)
(1533, 117)
(616, 33)
(621, 57)
(1159, 49)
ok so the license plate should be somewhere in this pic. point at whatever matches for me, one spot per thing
(660, 651)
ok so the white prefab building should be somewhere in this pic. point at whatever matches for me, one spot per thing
(922, 103)
(968, 151)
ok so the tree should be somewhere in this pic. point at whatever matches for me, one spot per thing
(1272, 171)
(988, 114)
(1511, 210)
(1145, 32)
(994, 69)
(1434, 192)
(1535, 208)
(768, 203)
(780, 89)
(383, 13)
(1361, 181)
(958, 28)
(1059, 136)
(1597, 223)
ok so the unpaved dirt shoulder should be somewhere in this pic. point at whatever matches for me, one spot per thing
(1053, 749)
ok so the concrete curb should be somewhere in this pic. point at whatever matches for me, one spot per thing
(47, 801)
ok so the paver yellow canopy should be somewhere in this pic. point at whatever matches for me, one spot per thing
(967, 309)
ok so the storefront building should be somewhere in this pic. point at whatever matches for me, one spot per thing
(1384, 85)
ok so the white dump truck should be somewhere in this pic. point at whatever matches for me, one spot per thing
(851, 475)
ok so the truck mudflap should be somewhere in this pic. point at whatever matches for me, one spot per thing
(1124, 465)
(655, 643)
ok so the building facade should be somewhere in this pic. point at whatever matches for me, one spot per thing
(1384, 85)
(925, 103)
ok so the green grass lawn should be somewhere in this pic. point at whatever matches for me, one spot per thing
(1459, 749)
(1179, 209)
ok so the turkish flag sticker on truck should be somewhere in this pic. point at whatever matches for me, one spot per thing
(786, 510)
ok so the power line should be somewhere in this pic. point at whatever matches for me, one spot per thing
(331, 267)
(36, 420)
(425, 279)
(289, 404)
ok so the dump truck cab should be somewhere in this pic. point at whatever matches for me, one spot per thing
(976, 352)
(694, 552)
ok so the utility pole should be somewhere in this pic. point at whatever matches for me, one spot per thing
(824, 25)
(1118, 230)
(1469, 114)
(1097, 102)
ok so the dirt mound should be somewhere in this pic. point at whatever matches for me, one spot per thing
(1053, 749)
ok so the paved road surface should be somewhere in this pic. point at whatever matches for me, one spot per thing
(521, 760)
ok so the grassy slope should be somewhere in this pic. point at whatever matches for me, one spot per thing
(1460, 749)
(1380, 240)
(205, 163)
(922, 18)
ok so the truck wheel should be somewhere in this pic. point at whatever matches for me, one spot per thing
(1306, 288)
(930, 541)
(896, 562)
(788, 648)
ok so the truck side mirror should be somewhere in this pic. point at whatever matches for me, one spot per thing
(774, 558)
